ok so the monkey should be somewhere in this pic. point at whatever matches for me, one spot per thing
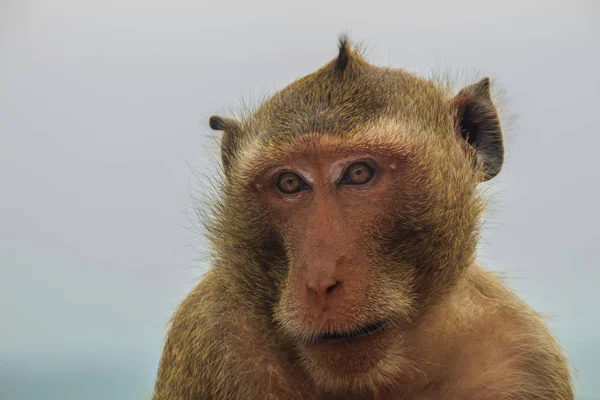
(343, 252)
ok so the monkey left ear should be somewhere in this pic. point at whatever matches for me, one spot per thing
(479, 125)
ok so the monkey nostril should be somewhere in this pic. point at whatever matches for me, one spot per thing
(323, 288)
(332, 287)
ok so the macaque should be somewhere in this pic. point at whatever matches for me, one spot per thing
(344, 253)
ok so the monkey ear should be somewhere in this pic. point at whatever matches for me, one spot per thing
(230, 141)
(478, 123)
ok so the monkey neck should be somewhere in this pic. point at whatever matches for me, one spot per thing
(454, 312)
(435, 291)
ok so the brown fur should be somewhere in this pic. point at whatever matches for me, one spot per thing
(403, 250)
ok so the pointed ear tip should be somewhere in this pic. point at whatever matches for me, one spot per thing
(481, 89)
(216, 123)
(484, 85)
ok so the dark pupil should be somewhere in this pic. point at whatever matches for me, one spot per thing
(359, 174)
(289, 183)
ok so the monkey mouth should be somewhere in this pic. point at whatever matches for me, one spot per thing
(354, 334)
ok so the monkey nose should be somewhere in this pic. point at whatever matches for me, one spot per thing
(322, 287)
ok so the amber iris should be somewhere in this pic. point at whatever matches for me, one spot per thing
(358, 173)
(290, 183)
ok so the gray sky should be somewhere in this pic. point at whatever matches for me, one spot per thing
(103, 105)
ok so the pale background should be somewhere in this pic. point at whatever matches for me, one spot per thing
(103, 104)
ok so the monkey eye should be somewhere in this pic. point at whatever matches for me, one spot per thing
(358, 173)
(290, 183)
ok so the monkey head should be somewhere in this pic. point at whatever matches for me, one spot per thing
(350, 205)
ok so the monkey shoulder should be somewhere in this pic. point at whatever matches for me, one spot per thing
(506, 350)
(215, 350)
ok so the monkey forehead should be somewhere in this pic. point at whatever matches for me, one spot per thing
(386, 138)
(338, 102)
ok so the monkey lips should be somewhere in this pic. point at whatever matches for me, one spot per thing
(362, 332)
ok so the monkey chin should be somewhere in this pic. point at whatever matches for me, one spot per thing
(357, 360)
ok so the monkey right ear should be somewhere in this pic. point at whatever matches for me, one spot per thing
(230, 141)
(478, 123)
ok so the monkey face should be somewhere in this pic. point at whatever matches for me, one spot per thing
(350, 206)
(357, 226)
(336, 303)
(350, 238)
